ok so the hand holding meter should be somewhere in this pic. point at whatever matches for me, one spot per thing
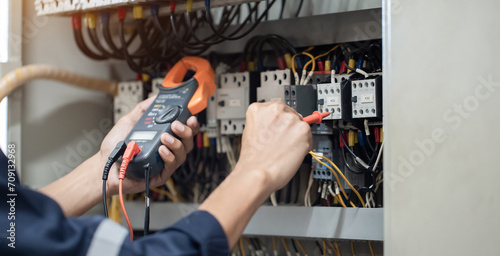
(177, 100)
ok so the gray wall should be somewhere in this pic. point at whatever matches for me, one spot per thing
(442, 98)
(55, 115)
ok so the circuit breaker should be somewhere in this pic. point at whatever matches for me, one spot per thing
(335, 98)
(155, 86)
(273, 85)
(302, 98)
(366, 98)
(236, 92)
(129, 95)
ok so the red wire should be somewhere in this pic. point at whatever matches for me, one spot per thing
(120, 192)
(131, 151)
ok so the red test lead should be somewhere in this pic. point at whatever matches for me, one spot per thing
(131, 151)
(315, 117)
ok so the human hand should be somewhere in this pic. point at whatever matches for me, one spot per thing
(275, 142)
(173, 151)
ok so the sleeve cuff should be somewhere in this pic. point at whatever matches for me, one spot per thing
(205, 230)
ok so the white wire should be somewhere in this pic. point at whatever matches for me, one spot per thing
(273, 199)
(297, 78)
(331, 190)
(378, 157)
(361, 162)
(360, 71)
(307, 197)
(311, 73)
(367, 130)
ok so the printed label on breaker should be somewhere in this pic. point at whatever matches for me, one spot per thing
(235, 103)
(367, 98)
(332, 101)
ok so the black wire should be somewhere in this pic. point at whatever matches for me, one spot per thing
(349, 167)
(147, 209)
(143, 35)
(294, 246)
(83, 47)
(345, 144)
(222, 28)
(212, 26)
(319, 246)
(130, 61)
(283, 2)
(299, 8)
(370, 145)
(267, 13)
(104, 199)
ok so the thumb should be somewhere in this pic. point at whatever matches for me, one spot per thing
(139, 109)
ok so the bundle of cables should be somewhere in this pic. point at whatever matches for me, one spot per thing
(127, 152)
(203, 170)
(253, 55)
(157, 41)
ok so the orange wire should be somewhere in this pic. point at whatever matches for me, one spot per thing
(120, 192)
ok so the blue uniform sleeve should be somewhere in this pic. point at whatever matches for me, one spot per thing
(34, 224)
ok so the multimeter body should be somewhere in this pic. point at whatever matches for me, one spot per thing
(177, 100)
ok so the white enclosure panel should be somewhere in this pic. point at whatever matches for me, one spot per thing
(55, 116)
(442, 96)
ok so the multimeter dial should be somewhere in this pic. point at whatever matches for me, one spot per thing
(168, 114)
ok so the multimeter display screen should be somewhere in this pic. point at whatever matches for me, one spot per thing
(143, 135)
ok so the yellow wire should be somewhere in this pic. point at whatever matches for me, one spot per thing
(170, 182)
(315, 156)
(293, 62)
(274, 244)
(284, 244)
(371, 248)
(338, 249)
(324, 248)
(333, 248)
(321, 55)
(352, 249)
(309, 49)
(302, 53)
(312, 59)
(341, 201)
(242, 250)
(161, 191)
(301, 247)
(343, 177)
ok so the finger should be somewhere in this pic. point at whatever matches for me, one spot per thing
(168, 158)
(175, 146)
(185, 133)
(192, 122)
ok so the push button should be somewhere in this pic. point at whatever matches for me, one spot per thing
(167, 114)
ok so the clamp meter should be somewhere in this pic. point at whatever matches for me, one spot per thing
(177, 100)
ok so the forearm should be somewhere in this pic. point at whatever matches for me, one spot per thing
(79, 190)
(237, 199)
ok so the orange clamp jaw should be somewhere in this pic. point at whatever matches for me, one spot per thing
(204, 75)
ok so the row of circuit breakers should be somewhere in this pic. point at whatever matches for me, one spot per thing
(343, 97)
(348, 97)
